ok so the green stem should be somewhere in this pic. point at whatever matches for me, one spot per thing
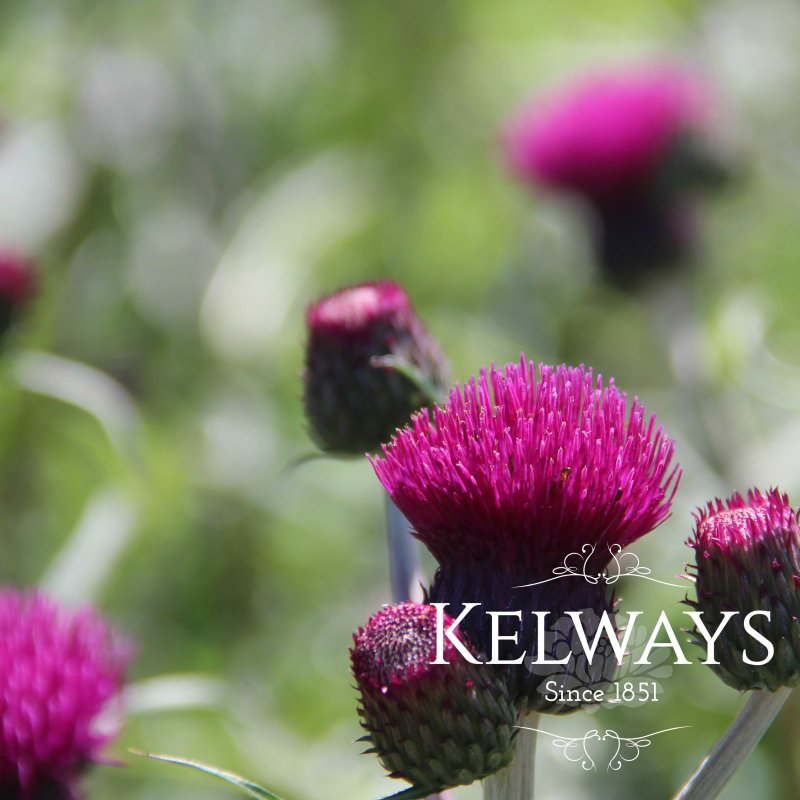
(515, 782)
(737, 743)
(403, 556)
(404, 569)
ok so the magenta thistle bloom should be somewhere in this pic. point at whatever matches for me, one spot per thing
(59, 671)
(737, 526)
(632, 143)
(17, 286)
(608, 134)
(434, 725)
(516, 472)
(352, 403)
(747, 558)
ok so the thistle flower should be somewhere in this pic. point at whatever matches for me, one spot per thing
(434, 725)
(517, 469)
(515, 473)
(634, 144)
(17, 286)
(747, 558)
(353, 403)
(59, 672)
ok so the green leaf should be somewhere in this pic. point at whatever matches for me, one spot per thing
(244, 785)
(408, 370)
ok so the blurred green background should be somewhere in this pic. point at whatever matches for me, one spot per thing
(188, 175)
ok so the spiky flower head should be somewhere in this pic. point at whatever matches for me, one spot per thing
(434, 725)
(523, 466)
(747, 558)
(17, 286)
(354, 402)
(518, 470)
(60, 672)
(634, 143)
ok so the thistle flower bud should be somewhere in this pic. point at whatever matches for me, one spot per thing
(635, 146)
(747, 558)
(59, 672)
(352, 402)
(517, 472)
(17, 286)
(434, 725)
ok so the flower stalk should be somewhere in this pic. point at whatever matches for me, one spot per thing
(738, 742)
(403, 549)
(515, 782)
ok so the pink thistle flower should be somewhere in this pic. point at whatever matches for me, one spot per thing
(59, 672)
(519, 470)
(352, 403)
(633, 143)
(397, 646)
(515, 474)
(747, 558)
(17, 286)
(354, 310)
(736, 525)
(608, 133)
(434, 725)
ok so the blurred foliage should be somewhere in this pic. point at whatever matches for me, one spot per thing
(188, 175)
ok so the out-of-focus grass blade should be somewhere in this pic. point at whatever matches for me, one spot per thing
(177, 691)
(244, 785)
(87, 388)
(93, 550)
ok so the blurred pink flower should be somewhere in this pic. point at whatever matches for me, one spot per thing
(59, 671)
(17, 285)
(636, 145)
(606, 135)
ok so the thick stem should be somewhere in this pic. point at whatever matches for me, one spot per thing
(403, 556)
(515, 782)
(737, 743)
(404, 574)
